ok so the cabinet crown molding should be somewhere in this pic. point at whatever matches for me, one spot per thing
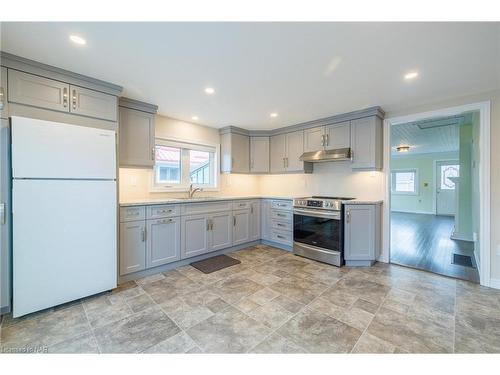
(23, 64)
(137, 105)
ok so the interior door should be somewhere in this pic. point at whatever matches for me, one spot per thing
(445, 187)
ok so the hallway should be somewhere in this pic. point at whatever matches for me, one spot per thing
(423, 242)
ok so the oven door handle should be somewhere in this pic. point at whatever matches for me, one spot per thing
(317, 213)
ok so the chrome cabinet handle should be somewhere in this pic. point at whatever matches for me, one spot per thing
(280, 225)
(74, 99)
(65, 97)
(284, 163)
(251, 209)
(153, 153)
(323, 140)
(327, 140)
(280, 215)
(234, 221)
(164, 221)
(348, 216)
(283, 238)
(143, 234)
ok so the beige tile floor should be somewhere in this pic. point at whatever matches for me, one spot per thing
(273, 302)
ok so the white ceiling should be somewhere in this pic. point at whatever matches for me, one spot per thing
(303, 71)
(436, 136)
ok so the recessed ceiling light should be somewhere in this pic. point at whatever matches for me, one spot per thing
(194, 118)
(411, 75)
(273, 115)
(209, 90)
(403, 148)
(77, 40)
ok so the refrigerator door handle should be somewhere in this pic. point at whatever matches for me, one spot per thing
(2, 213)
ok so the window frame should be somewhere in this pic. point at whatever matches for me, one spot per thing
(405, 170)
(184, 184)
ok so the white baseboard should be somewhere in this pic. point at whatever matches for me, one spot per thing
(414, 212)
(495, 283)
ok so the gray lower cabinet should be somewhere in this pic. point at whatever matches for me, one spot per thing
(163, 241)
(367, 143)
(362, 234)
(195, 230)
(136, 138)
(3, 93)
(241, 226)
(93, 103)
(221, 230)
(255, 216)
(265, 219)
(132, 246)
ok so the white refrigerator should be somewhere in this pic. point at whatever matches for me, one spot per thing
(64, 213)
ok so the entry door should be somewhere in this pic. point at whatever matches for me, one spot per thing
(445, 187)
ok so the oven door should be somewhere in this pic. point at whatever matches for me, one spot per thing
(317, 228)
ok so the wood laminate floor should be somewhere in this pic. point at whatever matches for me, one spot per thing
(423, 242)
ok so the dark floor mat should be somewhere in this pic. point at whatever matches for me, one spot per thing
(462, 260)
(215, 264)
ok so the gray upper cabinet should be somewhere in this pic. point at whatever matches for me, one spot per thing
(338, 135)
(241, 226)
(3, 93)
(195, 231)
(136, 135)
(163, 241)
(327, 137)
(29, 89)
(362, 249)
(221, 230)
(367, 143)
(278, 153)
(92, 103)
(132, 246)
(259, 154)
(235, 153)
(294, 149)
(314, 139)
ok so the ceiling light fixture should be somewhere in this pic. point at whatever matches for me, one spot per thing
(209, 90)
(194, 118)
(411, 75)
(403, 148)
(273, 115)
(77, 40)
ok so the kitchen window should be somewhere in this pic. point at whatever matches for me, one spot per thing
(180, 164)
(404, 182)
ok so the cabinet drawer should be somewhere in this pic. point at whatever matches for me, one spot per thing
(282, 205)
(281, 216)
(156, 212)
(201, 208)
(281, 225)
(285, 238)
(132, 213)
(241, 205)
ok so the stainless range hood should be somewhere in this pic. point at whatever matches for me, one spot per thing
(339, 154)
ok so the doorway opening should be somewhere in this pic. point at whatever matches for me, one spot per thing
(435, 194)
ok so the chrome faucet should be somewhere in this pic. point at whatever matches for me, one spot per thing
(192, 191)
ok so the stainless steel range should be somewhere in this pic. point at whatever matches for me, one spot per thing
(318, 229)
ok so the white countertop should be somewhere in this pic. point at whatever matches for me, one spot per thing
(155, 201)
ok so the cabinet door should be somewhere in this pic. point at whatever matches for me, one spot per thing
(241, 226)
(132, 246)
(277, 149)
(221, 233)
(163, 241)
(359, 232)
(338, 135)
(294, 149)
(259, 154)
(37, 91)
(194, 235)
(366, 143)
(92, 103)
(255, 221)
(265, 219)
(136, 133)
(313, 139)
(240, 153)
(3, 93)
